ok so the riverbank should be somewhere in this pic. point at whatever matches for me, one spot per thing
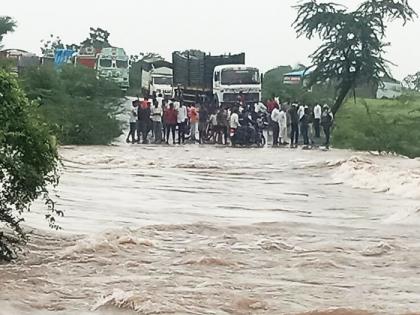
(379, 125)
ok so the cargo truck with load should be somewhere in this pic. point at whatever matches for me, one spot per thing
(224, 79)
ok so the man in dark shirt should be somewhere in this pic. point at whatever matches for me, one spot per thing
(202, 122)
(294, 123)
(144, 119)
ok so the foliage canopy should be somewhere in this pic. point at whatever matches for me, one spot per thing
(79, 107)
(7, 25)
(28, 163)
(353, 42)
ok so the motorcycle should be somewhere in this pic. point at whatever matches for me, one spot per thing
(250, 132)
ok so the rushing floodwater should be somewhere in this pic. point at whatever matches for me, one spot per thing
(212, 230)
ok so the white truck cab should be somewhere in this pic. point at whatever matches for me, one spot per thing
(112, 64)
(161, 82)
(234, 82)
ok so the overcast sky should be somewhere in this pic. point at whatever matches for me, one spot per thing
(260, 28)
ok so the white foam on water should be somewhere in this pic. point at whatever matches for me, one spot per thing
(367, 174)
(110, 241)
(141, 303)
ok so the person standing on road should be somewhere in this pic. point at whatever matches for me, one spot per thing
(234, 120)
(177, 104)
(222, 124)
(271, 104)
(194, 118)
(182, 122)
(260, 108)
(160, 100)
(327, 119)
(304, 125)
(275, 118)
(213, 125)
(144, 119)
(301, 111)
(170, 118)
(294, 126)
(317, 120)
(165, 106)
(133, 123)
(202, 123)
(156, 115)
(282, 126)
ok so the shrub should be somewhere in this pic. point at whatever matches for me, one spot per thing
(81, 108)
(28, 163)
(390, 126)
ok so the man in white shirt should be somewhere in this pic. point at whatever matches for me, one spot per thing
(156, 116)
(234, 120)
(133, 123)
(275, 118)
(282, 126)
(177, 104)
(182, 122)
(301, 112)
(317, 120)
(260, 108)
(160, 99)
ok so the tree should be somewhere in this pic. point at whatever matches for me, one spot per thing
(28, 164)
(412, 81)
(352, 52)
(146, 57)
(98, 39)
(79, 107)
(49, 46)
(7, 25)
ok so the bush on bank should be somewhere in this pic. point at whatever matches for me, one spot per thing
(80, 108)
(389, 126)
(28, 163)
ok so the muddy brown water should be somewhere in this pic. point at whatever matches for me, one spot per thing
(213, 230)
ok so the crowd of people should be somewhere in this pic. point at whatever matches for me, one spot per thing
(290, 121)
(172, 122)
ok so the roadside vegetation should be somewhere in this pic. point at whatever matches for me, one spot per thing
(28, 164)
(44, 107)
(78, 107)
(387, 126)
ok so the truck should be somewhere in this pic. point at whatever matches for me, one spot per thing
(221, 80)
(162, 82)
(112, 63)
(158, 81)
(87, 56)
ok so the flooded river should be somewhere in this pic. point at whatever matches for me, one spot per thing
(214, 230)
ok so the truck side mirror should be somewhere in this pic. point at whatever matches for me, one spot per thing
(262, 78)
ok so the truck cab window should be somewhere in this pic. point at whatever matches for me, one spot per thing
(122, 64)
(107, 63)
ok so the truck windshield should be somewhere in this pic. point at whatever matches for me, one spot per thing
(122, 64)
(106, 63)
(232, 77)
(162, 80)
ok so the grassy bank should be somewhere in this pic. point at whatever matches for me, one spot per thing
(380, 125)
